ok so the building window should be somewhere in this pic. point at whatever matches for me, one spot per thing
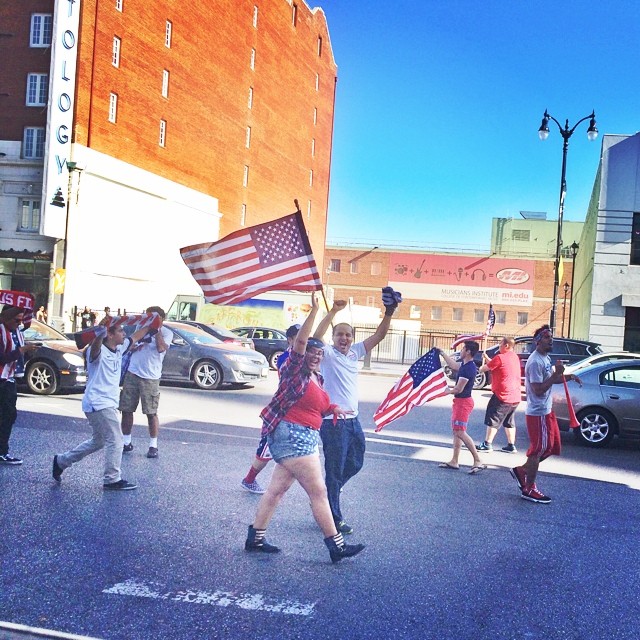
(319, 46)
(252, 62)
(353, 267)
(294, 14)
(334, 265)
(29, 216)
(635, 239)
(113, 107)
(115, 54)
(33, 143)
(243, 215)
(501, 317)
(41, 30)
(414, 312)
(523, 317)
(371, 301)
(119, 5)
(436, 313)
(317, 82)
(163, 133)
(311, 177)
(315, 116)
(250, 102)
(521, 235)
(456, 314)
(313, 147)
(37, 86)
(165, 83)
(478, 315)
(247, 140)
(376, 268)
(168, 32)
(245, 176)
(255, 17)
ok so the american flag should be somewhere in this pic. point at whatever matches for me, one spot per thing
(424, 381)
(153, 320)
(274, 255)
(491, 321)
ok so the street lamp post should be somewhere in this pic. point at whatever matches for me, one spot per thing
(566, 133)
(574, 252)
(565, 286)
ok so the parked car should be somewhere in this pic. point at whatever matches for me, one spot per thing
(270, 342)
(54, 364)
(566, 350)
(601, 357)
(225, 335)
(196, 356)
(606, 405)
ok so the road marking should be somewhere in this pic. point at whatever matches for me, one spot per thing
(252, 601)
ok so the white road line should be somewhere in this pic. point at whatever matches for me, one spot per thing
(252, 601)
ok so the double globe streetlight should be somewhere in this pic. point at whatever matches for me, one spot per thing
(566, 133)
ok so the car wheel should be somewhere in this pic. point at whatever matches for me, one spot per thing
(480, 381)
(42, 379)
(273, 359)
(597, 427)
(207, 375)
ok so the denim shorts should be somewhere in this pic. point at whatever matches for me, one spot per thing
(290, 440)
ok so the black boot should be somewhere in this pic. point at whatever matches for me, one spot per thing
(338, 549)
(256, 541)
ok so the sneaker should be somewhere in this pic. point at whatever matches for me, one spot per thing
(252, 487)
(510, 448)
(343, 527)
(519, 476)
(128, 448)
(7, 459)
(534, 495)
(57, 470)
(485, 446)
(153, 452)
(121, 485)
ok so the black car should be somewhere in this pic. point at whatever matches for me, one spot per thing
(53, 364)
(269, 342)
(566, 350)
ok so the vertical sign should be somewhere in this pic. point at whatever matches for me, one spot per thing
(62, 88)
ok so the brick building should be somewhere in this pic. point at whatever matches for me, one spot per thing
(131, 128)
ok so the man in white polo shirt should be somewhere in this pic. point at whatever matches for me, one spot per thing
(100, 405)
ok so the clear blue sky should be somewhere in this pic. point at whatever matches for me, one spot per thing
(439, 103)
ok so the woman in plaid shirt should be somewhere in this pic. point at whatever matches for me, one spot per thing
(291, 422)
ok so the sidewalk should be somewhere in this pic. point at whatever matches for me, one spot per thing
(387, 369)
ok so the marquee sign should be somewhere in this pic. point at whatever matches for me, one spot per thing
(62, 88)
(460, 278)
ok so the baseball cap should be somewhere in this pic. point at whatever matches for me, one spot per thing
(292, 331)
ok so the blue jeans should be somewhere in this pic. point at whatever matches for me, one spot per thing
(344, 447)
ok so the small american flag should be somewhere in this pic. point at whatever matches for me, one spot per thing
(274, 255)
(491, 321)
(424, 381)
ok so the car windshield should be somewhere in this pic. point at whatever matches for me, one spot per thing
(194, 335)
(39, 331)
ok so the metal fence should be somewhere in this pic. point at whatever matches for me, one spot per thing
(405, 347)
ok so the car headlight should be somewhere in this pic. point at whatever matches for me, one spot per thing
(73, 359)
(242, 359)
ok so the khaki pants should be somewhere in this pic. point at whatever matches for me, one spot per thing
(106, 435)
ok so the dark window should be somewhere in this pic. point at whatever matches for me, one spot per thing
(632, 329)
(335, 265)
(635, 239)
(559, 348)
(577, 349)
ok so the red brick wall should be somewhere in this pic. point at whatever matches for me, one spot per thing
(361, 285)
(207, 109)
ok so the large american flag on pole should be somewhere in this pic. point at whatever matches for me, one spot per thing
(273, 255)
(424, 381)
(491, 321)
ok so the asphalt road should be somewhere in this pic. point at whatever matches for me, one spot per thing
(448, 555)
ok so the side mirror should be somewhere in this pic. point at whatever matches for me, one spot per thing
(178, 341)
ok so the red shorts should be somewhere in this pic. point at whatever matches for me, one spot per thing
(462, 408)
(544, 436)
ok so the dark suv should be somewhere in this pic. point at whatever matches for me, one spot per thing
(564, 349)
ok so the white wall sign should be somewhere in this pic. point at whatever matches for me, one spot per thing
(62, 87)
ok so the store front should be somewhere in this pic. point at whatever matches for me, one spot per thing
(25, 271)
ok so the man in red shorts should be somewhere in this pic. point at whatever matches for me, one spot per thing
(542, 426)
